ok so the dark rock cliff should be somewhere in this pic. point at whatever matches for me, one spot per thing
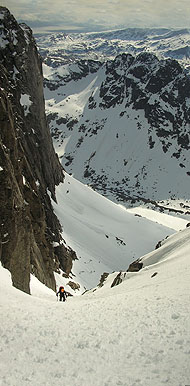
(29, 167)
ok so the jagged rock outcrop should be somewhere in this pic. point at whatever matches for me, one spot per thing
(29, 167)
(157, 87)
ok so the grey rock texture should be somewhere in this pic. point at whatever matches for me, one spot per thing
(29, 166)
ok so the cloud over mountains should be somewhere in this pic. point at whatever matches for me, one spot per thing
(98, 15)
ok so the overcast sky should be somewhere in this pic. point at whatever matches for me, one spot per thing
(97, 15)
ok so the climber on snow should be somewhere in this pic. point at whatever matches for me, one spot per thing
(62, 294)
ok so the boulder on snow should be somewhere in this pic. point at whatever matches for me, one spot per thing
(135, 266)
(73, 285)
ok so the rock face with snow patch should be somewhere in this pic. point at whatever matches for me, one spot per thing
(29, 167)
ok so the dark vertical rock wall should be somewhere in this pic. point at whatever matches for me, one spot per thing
(29, 167)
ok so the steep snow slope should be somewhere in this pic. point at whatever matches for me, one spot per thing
(134, 334)
(105, 236)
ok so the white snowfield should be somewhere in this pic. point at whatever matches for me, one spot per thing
(105, 236)
(137, 333)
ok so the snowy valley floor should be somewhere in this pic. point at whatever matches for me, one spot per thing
(137, 333)
(105, 236)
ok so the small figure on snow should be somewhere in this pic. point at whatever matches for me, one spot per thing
(62, 294)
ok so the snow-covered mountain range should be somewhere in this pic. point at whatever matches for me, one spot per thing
(60, 48)
(121, 124)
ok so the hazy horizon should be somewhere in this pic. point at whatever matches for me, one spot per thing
(85, 16)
